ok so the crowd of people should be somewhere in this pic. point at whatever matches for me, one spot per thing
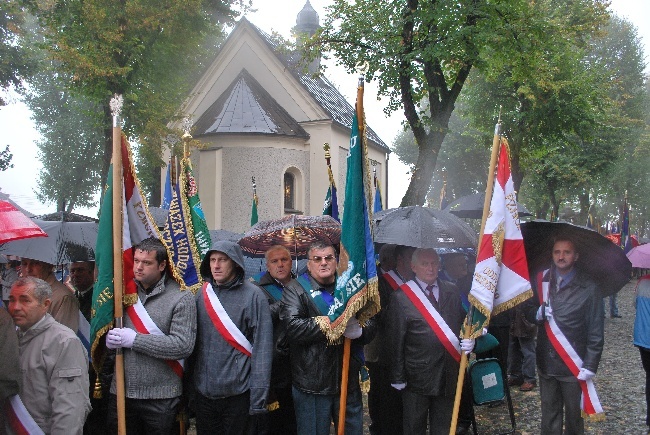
(250, 356)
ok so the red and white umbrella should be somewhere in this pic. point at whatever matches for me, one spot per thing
(14, 225)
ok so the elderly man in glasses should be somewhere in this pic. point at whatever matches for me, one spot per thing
(316, 365)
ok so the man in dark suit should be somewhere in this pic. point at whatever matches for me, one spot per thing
(426, 359)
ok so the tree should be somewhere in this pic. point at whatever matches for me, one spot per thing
(462, 157)
(71, 130)
(14, 60)
(425, 52)
(149, 51)
(5, 159)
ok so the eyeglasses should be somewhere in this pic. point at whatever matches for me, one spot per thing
(317, 259)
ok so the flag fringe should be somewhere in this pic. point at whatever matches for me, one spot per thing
(512, 302)
(365, 302)
(189, 228)
(600, 416)
(97, 362)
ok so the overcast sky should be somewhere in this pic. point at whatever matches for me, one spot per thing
(19, 132)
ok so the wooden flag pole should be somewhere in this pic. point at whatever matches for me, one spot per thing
(118, 188)
(344, 385)
(470, 313)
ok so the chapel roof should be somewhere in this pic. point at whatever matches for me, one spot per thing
(246, 107)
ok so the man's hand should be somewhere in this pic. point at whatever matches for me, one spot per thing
(120, 337)
(585, 375)
(467, 345)
(353, 329)
(544, 312)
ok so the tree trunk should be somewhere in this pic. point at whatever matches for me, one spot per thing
(429, 148)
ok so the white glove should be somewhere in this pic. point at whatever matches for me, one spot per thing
(399, 387)
(467, 345)
(120, 337)
(353, 329)
(544, 310)
(585, 375)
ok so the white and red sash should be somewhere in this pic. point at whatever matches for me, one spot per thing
(223, 323)
(393, 279)
(144, 324)
(18, 418)
(589, 402)
(444, 333)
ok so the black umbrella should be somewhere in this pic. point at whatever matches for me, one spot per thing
(423, 227)
(232, 236)
(471, 207)
(598, 256)
(66, 242)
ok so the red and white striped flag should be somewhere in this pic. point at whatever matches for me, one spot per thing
(137, 222)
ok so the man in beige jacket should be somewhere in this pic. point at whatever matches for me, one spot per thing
(64, 306)
(53, 362)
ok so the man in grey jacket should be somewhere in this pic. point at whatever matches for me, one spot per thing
(53, 362)
(159, 332)
(234, 349)
(574, 305)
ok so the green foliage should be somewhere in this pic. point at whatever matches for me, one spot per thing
(150, 51)
(5, 159)
(14, 60)
(72, 133)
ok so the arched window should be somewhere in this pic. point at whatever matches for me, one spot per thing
(289, 191)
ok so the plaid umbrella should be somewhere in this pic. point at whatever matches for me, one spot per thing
(295, 232)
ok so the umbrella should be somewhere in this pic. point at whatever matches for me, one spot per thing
(640, 256)
(598, 256)
(66, 242)
(295, 232)
(423, 227)
(471, 207)
(216, 235)
(14, 225)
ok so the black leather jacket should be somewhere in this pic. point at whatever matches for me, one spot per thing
(316, 366)
(578, 312)
(419, 359)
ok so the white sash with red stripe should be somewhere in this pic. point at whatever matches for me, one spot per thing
(223, 323)
(444, 333)
(393, 279)
(144, 324)
(18, 418)
(589, 402)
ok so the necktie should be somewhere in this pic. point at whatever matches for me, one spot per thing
(430, 296)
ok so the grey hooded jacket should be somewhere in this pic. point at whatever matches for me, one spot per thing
(220, 370)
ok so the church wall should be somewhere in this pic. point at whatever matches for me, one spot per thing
(268, 165)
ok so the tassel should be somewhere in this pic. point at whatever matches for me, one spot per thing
(364, 379)
(273, 406)
(97, 392)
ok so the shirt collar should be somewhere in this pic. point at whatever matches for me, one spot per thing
(566, 279)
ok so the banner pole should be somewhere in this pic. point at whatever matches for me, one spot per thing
(118, 188)
(470, 313)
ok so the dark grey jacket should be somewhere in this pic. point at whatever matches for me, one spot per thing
(419, 359)
(219, 369)
(578, 312)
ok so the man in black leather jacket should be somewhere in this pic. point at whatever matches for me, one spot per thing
(576, 306)
(316, 365)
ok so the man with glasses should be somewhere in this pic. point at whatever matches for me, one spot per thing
(316, 365)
